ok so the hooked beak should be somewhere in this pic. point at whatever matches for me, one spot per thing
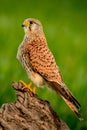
(23, 25)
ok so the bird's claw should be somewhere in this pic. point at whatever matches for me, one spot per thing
(28, 86)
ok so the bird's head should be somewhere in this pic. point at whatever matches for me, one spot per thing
(32, 25)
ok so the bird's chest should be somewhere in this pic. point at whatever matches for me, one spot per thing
(35, 77)
(25, 61)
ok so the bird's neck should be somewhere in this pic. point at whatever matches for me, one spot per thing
(33, 36)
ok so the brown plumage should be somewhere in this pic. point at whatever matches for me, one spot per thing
(40, 64)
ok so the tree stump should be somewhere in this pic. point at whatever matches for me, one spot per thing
(29, 112)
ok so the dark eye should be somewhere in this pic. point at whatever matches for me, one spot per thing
(31, 22)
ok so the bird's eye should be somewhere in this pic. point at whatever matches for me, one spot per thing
(31, 22)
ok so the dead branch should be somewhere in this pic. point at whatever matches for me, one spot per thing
(29, 112)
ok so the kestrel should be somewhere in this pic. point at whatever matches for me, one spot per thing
(40, 65)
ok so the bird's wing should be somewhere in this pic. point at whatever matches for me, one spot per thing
(42, 61)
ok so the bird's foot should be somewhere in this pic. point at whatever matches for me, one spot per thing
(28, 86)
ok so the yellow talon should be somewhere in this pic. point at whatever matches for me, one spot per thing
(34, 89)
(28, 86)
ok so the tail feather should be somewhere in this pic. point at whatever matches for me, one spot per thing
(73, 107)
(67, 96)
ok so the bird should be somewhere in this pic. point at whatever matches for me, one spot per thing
(40, 65)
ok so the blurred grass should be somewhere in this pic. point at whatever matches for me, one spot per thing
(65, 26)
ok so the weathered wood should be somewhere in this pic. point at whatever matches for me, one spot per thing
(29, 112)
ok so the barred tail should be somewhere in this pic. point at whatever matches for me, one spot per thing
(67, 96)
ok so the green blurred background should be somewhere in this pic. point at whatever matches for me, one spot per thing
(65, 27)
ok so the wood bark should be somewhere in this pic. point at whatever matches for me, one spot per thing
(29, 112)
